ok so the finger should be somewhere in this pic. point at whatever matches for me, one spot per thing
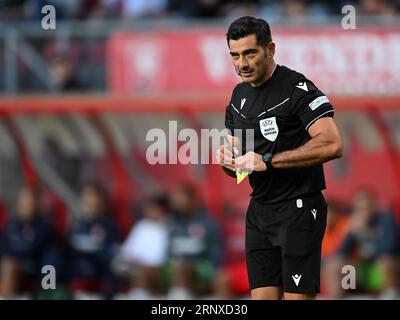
(240, 159)
(227, 151)
(244, 163)
(227, 160)
(240, 162)
(224, 158)
(234, 141)
(218, 155)
(236, 151)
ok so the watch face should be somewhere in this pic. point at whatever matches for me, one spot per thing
(267, 157)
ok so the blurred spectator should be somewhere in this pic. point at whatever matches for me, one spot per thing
(28, 243)
(196, 8)
(65, 10)
(143, 8)
(237, 8)
(93, 239)
(98, 9)
(373, 238)
(372, 246)
(378, 7)
(62, 75)
(195, 246)
(17, 10)
(145, 249)
(13, 10)
(231, 281)
(294, 8)
(337, 227)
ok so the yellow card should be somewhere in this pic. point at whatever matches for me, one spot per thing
(241, 175)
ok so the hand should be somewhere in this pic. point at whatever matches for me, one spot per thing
(225, 158)
(224, 153)
(250, 161)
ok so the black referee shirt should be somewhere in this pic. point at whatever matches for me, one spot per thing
(280, 111)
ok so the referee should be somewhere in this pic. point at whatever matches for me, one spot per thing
(294, 134)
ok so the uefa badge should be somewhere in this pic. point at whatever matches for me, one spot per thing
(269, 128)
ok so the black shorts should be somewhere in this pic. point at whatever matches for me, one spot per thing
(283, 243)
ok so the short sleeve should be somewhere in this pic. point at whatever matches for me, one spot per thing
(309, 104)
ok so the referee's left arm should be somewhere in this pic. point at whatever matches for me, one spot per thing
(325, 144)
(315, 113)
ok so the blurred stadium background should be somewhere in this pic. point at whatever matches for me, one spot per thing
(76, 191)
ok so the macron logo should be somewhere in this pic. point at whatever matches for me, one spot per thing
(242, 102)
(314, 213)
(296, 279)
(302, 85)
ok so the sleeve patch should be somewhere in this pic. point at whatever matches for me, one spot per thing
(318, 102)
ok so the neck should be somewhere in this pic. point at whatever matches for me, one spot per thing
(270, 70)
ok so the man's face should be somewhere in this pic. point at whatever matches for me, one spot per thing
(250, 59)
(27, 204)
(181, 201)
(92, 202)
(363, 203)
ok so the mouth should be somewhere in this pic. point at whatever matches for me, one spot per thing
(246, 73)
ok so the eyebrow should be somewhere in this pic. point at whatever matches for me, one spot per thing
(247, 51)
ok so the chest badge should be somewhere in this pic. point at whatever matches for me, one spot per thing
(269, 128)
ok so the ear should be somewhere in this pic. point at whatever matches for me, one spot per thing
(271, 49)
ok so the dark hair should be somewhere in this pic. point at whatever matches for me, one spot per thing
(96, 186)
(160, 201)
(246, 26)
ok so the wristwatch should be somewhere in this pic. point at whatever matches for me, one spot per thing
(267, 158)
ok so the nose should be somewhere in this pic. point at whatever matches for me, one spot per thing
(243, 63)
